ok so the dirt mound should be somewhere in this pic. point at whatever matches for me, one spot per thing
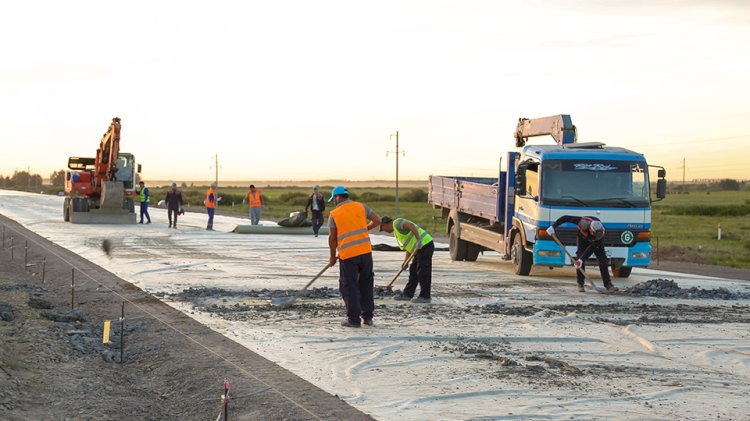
(667, 288)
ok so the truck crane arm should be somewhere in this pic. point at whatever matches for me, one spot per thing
(560, 127)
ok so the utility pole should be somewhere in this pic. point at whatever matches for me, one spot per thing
(683, 174)
(397, 154)
(216, 166)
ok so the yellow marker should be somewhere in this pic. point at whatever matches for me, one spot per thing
(105, 335)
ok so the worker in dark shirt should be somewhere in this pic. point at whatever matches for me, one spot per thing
(174, 203)
(588, 242)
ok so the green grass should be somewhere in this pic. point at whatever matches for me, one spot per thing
(697, 233)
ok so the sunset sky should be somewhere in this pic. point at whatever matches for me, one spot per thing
(313, 89)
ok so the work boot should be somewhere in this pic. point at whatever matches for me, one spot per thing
(170, 225)
(421, 300)
(581, 288)
(610, 287)
(368, 322)
(347, 323)
(402, 297)
(174, 226)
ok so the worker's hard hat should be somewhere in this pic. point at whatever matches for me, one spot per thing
(597, 230)
(315, 187)
(174, 184)
(213, 185)
(337, 191)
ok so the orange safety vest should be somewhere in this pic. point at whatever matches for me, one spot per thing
(254, 201)
(209, 203)
(351, 228)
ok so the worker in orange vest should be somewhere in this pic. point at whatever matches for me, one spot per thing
(348, 236)
(255, 201)
(211, 206)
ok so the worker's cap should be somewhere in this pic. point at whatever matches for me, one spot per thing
(141, 182)
(337, 191)
(597, 230)
(174, 184)
(213, 185)
(385, 220)
(315, 187)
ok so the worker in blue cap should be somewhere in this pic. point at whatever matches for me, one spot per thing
(349, 243)
(317, 203)
(174, 203)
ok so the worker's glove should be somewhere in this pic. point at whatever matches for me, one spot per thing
(551, 231)
(405, 265)
(578, 263)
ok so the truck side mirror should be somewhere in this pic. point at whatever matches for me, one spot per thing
(520, 187)
(661, 188)
(662, 173)
(139, 168)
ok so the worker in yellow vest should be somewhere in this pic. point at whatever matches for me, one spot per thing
(411, 237)
(349, 243)
(255, 201)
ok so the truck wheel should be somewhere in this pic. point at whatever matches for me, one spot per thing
(472, 251)
(521, 258)
(622, 271)
(457, 246)
(66, 210)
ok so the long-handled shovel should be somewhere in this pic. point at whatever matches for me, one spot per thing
(573, 259)
(403, 266)
(289, 301)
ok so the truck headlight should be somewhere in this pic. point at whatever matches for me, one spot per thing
(549, 253)
(640, 255)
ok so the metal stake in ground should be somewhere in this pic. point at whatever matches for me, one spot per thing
(3, 236)
(122, 330)
(11, 247)
(26, 254)
(72, 288)
(573, 259)
(44, 268)
(226, 399)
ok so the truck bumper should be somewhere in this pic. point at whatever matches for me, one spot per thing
(548, 253)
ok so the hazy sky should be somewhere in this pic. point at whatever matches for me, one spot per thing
(313, 89)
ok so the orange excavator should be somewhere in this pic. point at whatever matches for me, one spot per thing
(101, 190)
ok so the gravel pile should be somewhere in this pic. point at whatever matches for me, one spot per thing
(668, 288)
(191, 294)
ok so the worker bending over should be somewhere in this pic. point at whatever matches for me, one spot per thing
(589, 241)
(411, 237)
(348, 235)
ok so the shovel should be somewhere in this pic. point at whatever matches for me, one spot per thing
(403, 266)
(573, 259)
(289, 301)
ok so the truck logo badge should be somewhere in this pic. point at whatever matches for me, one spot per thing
(626, 237)
(594, 167)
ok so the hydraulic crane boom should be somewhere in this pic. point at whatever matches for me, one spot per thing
(560, 127)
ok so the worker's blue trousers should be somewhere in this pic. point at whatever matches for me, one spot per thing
(144, 211)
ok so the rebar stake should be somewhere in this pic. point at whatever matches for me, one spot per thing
(122, 331)
(72, 288)
(44, 268)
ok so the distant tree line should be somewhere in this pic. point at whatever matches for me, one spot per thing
(21, 180)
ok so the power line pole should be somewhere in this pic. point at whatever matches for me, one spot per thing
(397, 154)
(216, 166)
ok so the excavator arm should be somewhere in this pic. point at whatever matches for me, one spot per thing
(560, 127)
(109, 150)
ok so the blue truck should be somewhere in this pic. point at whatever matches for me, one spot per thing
(510, 214)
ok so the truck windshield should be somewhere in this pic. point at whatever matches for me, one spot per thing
(597, 183)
